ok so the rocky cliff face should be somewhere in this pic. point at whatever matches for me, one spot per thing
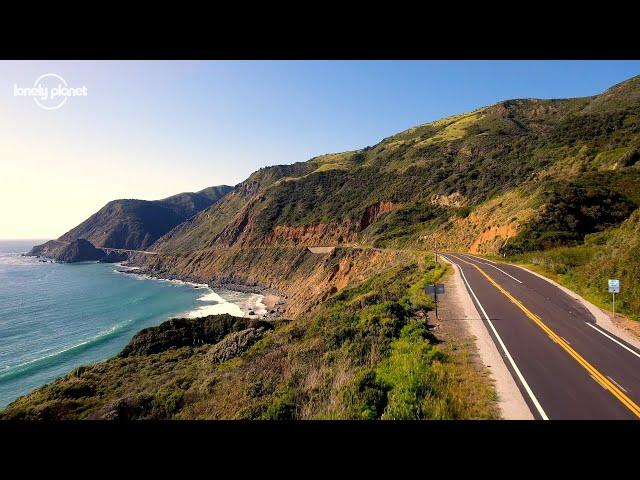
(312, 235)
(79, 251)
(306, 279)
(328, 234)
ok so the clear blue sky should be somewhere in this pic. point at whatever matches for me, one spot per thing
(151, 129)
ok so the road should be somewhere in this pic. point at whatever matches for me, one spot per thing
(109, 249)
(566, 366)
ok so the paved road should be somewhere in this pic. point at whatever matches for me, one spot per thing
(109, 249)
(566, 366)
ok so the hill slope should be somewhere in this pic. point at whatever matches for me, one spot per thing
(136, 224)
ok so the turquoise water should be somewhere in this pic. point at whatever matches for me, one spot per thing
(55, 317)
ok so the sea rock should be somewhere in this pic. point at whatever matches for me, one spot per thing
(80, 251)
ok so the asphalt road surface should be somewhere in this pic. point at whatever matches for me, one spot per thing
(566, 366)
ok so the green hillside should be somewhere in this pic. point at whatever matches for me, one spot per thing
(531, 145)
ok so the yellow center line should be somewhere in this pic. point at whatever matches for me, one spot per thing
(599, 377)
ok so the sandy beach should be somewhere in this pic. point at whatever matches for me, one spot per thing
(261, 306)
(270, 301)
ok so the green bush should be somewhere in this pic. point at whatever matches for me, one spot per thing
(408, 376)
(572, 211)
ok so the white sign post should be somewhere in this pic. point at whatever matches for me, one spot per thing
(614, 287)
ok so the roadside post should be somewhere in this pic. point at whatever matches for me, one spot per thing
(614, 287)
(435, 290)
(435, 247)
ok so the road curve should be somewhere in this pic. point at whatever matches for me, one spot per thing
(566, 366)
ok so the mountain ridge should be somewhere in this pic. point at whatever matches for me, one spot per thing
(136, 224)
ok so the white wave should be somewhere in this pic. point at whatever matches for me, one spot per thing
(217, 309)
(11, 370)
(16, 259)
(237, 304)
(125, 268)
(211, 296)
(256, 305)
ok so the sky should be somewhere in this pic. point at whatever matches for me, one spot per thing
(151, 129)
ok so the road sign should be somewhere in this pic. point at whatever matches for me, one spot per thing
(614, 285)
(437, 289)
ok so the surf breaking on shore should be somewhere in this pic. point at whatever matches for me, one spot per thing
(238, 304)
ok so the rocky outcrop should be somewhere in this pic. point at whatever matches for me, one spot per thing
(187, 332)
(311, 235)
(48, 249)
(373, 212)
(234, 344)
(453, 200)
(79, 251)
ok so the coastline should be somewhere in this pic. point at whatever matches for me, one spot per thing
(268, 304)
(265, 304)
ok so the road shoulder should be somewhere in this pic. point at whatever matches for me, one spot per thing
(458, 306)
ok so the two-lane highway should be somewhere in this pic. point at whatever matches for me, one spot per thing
(566, 366)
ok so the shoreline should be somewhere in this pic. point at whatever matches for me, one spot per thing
(266, 305)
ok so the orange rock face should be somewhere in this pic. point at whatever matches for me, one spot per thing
(504, 232)
(311, 235)
(373, 212)
(329, 234)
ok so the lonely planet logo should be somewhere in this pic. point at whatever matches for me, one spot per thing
(50, 91)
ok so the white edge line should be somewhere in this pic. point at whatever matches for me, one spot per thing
(484, 263)
(504, 348)
(613, 339)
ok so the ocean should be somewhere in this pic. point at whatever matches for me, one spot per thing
(55, 317)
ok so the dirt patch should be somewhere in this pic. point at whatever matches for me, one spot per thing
(321, 249)
(625, 323)
(270, 301)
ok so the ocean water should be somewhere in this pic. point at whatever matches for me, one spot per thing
(55, 317)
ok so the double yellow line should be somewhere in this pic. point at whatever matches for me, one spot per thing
(599, 377)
